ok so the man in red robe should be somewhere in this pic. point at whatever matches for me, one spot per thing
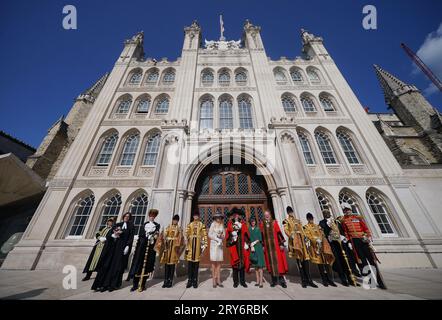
(238, 241)
(274, 253)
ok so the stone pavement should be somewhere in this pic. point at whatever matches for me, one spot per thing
(402, 284)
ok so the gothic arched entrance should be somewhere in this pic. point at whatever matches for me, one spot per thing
(219, 188)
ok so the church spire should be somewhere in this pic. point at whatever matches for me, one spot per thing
(390, 84)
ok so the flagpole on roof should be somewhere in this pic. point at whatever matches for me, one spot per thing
(221, 23)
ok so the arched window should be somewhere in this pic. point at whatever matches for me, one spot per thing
(313, 76)
(135, 78)
(296, 76)
(308, 104)
(152, 77)
(325, 148)
(162, 105)
(107, 149)
(224, 78)
(280, 77)
(288, 103)
(324, 201)
(347, 147)
(345, 196)
(80, 216)
(151, 150)
(306, 149)
(327, 103)
(143, 105)
(124, 106)
(380, 212)
(129, 150)
(111, 208)
(245, 113)
(225, 113)
(241, 78)
(169, 77)
(206, 114)
(138, 209)
(207, 78)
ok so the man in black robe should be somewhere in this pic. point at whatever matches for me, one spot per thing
(143, 262)
(110, 275)
(99, 250)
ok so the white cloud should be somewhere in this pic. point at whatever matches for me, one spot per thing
(430, 53)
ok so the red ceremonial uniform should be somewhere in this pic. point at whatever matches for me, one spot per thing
(239, 257)
(354, 227)
(275, 258)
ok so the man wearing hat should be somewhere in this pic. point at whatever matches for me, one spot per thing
(143, 262)
(357, 232)
(238, 241)
(169, 246)
(274, 254)
(297, 248)
(319, 250)
(196, 237)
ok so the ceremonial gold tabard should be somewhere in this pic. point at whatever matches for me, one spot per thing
(169, 244)
(296, 238)
(319, 252)
(196, 236)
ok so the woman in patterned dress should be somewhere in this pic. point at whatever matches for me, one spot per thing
(217, 233)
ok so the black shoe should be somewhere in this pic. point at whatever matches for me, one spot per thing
(195, 285)
(332, 283)
(235, 285)
(304, 285)
(284, 285)
(164, 285)
(111, 289)
(312, 284)
(133, 289)
(244, 284)
(273, 284)
(85, 278)
(325, 284)
(103, 289)
(344, 282)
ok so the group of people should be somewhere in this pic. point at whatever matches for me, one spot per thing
(341, 246)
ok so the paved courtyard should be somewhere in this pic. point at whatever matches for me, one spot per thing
(402, 284)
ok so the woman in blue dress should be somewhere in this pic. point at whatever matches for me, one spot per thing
(257, 252)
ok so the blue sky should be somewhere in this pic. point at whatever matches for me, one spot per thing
(44, 67)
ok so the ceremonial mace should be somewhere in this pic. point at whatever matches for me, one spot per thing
(143, 270)
(352, 276)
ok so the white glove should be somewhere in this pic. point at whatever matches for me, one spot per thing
(114, 235)
(203, 248)
(350, 246)
(234, 233)
(343, 239)
(126, 250)
(102, 239)
(246, 246)
(329, 222)
(318, 240)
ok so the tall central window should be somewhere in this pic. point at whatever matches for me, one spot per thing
(245, 113)
(325, 148)
(129, 150)
(206, 114)
(224, 78)
(111, 208)
(225, 114)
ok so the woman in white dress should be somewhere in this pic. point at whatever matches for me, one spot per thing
(217, 233)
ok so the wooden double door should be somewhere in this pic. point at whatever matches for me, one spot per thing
(207, 212)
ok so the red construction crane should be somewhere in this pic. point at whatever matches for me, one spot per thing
(422, 66)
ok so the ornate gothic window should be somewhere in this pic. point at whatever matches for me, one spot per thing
(327, 103)
(162, 105)
(80, 216)
(138, 209)
(280, 77)
(288, 103)
(345, 196)
(169, 77)
(380, 212)
(152, 149)
(124, 106)
(129, 150)
(296, 76)
(245, 113)
(241, 78)
(306, 149)
(224, 78)
(313, 76)
(206, 114)
(143, 105)
(308, 104)
(217, 184)
(207, 78)
(348, 148)
(225, 114)
(111, 208)
(152, 77)
(325, 148)
(324, 201)
(105, 155)
(135, 78)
